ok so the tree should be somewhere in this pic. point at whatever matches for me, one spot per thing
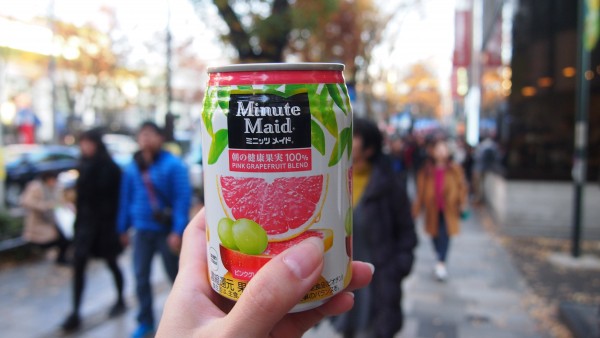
(89, 73)
(259, 30)
(419, 89)
(344, 36)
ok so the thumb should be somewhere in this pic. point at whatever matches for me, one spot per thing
(277, 288)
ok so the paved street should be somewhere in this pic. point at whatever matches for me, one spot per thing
(483, 297)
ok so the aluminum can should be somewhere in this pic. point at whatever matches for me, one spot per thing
(277, 154)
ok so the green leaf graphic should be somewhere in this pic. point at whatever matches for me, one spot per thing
(321, 108)
(218, 144)
(335, 154)
(346, 140)
(223, 99)
(348, 222)
(208, 110)
(347, 97)
(317, 137)
(327, 114)
(288, 89)
(341, 144)
(334, 92)
(314, 101)
(293, 89)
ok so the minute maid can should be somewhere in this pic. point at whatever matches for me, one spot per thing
(277, 144)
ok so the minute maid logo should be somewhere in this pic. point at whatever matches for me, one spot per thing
(254, 109)
(267, 121)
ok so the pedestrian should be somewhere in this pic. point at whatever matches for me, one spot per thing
(383, 234)
(193, 309)
(442, 196)
(467, 163)
(97, 190)
(26, 120)
(419, 152)
(39, 200)
(398, 156)
(486, 159)
(155, 201)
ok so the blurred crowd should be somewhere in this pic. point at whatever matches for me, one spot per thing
(150, 198)
(442, 176)
(96, 214)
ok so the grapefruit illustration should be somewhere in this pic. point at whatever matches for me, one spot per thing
(284, 207)
(243, 266)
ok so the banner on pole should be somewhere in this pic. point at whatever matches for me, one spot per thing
(591, 30)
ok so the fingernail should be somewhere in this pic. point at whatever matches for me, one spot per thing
(351, 294)
(372, 267)
(305, 257)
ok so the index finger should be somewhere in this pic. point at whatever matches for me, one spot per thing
(193, 249)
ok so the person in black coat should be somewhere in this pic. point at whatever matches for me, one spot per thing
(383, 234)
(95, 224)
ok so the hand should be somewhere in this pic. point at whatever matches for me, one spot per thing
(174, 242)
(193, 309)
(124, 237)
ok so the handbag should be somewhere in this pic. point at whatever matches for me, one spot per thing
(65, 220)
(163, 216)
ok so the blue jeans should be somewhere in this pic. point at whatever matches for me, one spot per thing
(441, 242)
(146, 244)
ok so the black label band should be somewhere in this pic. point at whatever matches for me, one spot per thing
(267, 121)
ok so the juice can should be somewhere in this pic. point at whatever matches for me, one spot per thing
(277, 154)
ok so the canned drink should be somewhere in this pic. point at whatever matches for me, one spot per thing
(277, 144)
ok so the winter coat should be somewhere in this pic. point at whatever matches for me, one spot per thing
(386, 208)
(39, 201)
(455, 198)
(384, 234)
(171, 184)
(97, 207)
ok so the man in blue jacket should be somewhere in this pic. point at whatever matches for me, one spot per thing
(155, 201)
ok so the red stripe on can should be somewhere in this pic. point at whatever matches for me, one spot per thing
(275, 77)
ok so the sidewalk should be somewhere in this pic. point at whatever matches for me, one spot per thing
(483, 297)
(36, 298)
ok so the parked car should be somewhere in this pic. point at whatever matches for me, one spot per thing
(25, 162)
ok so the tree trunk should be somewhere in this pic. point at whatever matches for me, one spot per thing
(272, 33)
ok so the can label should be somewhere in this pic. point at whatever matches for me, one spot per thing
(266, 121)
(277, 171)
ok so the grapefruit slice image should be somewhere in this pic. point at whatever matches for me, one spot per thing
(244, 267)
(285, 207)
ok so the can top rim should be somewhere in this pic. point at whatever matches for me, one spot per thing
(252, 67)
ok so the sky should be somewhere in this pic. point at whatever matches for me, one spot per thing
(140, 19)
(423, 33)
